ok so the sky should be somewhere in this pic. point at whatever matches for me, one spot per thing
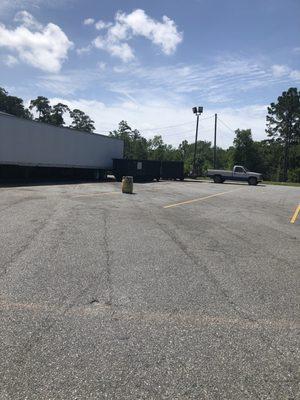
(150, 62)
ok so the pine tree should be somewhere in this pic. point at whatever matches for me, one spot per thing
(283, 123)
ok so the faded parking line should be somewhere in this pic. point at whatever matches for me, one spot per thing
(201, 198)
(193, 318)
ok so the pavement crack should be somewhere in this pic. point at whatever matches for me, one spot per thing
(207, 272)
(184, 248)
(109, 300)
(238, 310)
(94, 301)
(46, 326)
(22, 200)
(14, 257)
(242, 239)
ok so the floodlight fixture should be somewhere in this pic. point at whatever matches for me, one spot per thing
(197, 110)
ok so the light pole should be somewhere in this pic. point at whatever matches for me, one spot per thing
(215, 141)
(197, 111)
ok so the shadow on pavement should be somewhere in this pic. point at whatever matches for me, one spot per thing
(15, 183)
(217, 184)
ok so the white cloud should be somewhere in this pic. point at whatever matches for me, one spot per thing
(8, 6)
(118, 32)
(283, 71)
(221, 82)
(295, 75)
(101, 65)
(102, 25)
(151, 116)
(218, 82)
(296, 50)
(280, 70)
(115, 48)
(63, 85)
(88, 21)
(163, 34)
(27, 20)
(45, 48)
(150, 98)
(68, 83)
(10, 60)
(84, 50)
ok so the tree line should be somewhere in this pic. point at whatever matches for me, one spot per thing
(264, 156)
(277, 157)
(44, 112)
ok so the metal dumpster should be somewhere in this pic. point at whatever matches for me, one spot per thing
(141, 170)
(172, 170)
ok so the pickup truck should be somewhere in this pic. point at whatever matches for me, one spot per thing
(239, 173)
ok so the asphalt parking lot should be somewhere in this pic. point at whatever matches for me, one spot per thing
(183, 290)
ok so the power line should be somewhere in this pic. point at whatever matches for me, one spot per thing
(183, 132)
(210, 116)
(166, 127)
(226, 125)
(174, 126)
(154, 129)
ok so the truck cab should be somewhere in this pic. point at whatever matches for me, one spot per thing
(239, 171)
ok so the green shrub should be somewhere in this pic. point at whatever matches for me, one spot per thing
(294, 175)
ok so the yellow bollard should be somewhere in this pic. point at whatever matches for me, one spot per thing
(127, 184)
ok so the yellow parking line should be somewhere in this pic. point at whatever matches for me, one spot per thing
(201, 198)
(296, 213)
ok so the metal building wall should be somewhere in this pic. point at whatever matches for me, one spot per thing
(31, 143)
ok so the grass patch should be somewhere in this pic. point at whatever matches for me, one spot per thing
(295, 184)
(282, 183)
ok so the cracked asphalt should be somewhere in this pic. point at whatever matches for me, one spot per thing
(111, 296)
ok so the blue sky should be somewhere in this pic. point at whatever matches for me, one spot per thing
(149, 62)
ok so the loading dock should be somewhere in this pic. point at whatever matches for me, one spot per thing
(30, 149)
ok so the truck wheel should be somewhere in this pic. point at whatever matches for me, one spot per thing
(252, 181)
(218, 179)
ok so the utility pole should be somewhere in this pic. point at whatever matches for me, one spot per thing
(215, 141)
(197, 111)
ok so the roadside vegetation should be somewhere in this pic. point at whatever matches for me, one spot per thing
(296, 184)
(277, 157)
